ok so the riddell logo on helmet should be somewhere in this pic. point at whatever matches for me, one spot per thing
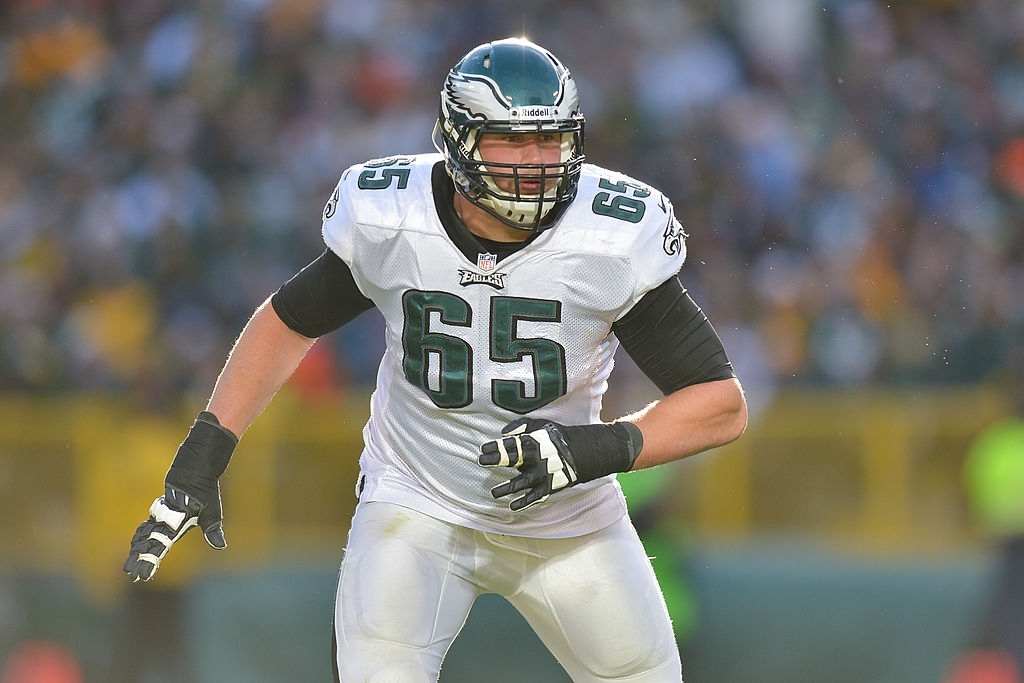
(534, 112)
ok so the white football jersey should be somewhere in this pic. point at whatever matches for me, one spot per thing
(473, 344)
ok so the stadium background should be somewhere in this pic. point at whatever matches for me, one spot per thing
(850, 172)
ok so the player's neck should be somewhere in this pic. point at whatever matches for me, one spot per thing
(483, 224)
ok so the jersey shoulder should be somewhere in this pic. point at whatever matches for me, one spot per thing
(616, 214)
(391, 192)
(379, 198)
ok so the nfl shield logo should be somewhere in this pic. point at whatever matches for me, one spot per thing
(486, 262)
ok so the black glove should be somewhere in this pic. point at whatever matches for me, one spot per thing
(551, 457)
(191, 497)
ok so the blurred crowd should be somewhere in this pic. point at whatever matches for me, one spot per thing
(850, 172)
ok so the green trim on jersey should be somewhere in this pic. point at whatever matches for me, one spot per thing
(455, 355)
(548, 356)
(418, 342)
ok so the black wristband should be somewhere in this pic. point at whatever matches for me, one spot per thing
(603, 449)
(207, 449)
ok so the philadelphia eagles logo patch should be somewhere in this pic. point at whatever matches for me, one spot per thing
(673, 236)
(469, 277)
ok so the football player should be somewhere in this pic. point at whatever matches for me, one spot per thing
(508, 272)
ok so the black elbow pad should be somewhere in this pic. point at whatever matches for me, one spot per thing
(671, 340)
(320, 298)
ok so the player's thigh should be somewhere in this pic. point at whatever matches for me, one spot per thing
(596, 604)
(401, 600)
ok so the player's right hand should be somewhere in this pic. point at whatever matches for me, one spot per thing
(191, 498)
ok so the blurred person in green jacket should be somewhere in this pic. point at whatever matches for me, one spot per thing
(665, 538)
(994, 477)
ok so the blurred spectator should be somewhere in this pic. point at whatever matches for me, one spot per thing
(41, 662)
(995, 485)
(851, 173)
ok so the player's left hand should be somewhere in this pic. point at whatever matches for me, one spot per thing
(551, 457)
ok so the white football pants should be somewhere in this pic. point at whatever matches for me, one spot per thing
(408, 581)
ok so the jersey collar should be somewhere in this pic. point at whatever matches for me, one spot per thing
(469, 244)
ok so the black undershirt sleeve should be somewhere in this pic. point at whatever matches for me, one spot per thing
(671, 340)
(320, 298)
